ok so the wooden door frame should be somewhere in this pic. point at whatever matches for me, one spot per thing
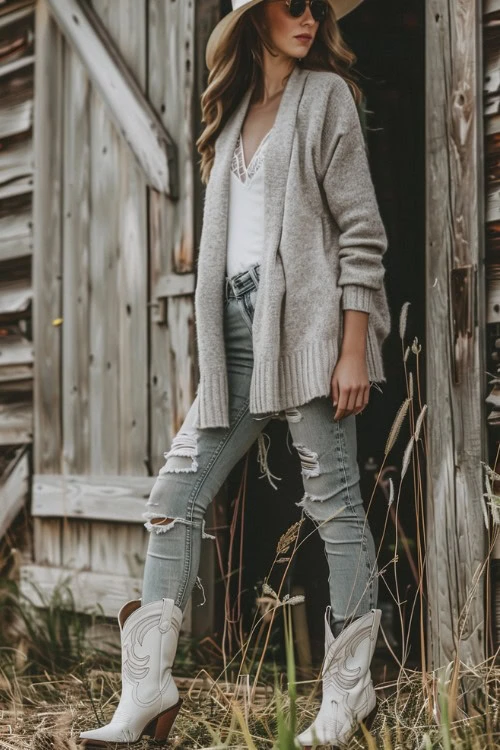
(455, 329)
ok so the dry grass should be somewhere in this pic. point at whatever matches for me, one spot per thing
(49, 713)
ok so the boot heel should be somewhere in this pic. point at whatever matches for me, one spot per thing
(368, 720)
(165, 721)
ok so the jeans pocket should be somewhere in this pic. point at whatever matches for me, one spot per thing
(246, 304)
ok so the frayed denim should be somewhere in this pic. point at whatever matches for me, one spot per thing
(199, 461)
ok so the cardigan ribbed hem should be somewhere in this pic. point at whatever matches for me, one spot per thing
(305, 374)
(288, 382)
(213, 400)
(355, 297)
(297, 377)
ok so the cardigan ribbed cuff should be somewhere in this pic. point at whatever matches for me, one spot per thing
(355, 297)
(374, 358)
(213, 408)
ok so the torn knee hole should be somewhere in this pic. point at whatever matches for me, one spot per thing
(308, 461)
(182, 454)
(159, 523)
(162, 521)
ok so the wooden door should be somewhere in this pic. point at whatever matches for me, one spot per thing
(116, 223)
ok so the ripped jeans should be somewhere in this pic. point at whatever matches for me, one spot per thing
(200, 460)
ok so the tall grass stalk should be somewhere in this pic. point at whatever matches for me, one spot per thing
(287, 724)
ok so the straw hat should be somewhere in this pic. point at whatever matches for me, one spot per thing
(224, 28)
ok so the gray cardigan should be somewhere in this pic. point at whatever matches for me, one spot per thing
(324, 242)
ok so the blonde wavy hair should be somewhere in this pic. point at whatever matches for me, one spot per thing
(240, 65)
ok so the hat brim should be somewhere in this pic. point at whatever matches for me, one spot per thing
(224, 28)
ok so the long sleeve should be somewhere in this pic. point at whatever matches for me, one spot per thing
(351, 198)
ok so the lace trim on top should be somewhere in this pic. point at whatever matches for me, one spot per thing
(238, 168)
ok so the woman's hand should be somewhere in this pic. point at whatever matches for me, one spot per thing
(350, 384)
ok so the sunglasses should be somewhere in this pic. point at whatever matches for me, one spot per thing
(297, 8)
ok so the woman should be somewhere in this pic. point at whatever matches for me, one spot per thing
(291, 314)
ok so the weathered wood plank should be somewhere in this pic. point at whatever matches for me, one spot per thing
(118, 549)
(15, 350)
(7, 9)
(17, 385)
(133, 322)
(76, 260)
(175, 285)
(16, 360)
(493, 204)
(492, 73)
(89, 589)
(125, 22)
(47, 268)
(15, 297)
(16, 247)
(21, 186)
(13, 16)
(492, 125)
(47, 541)
(14, 488)
(16, 423)
(491, 6)
(16, 161)
(171, 82)
(16, 117)
(23, 62)
(126, 104)
(108, 498)
(455, 528)
(104, 303)
(75, 544)
(16, 226)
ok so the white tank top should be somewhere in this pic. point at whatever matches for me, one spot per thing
(245, 231)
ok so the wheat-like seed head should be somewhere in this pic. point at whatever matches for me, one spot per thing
(402, 320)
(288, 538)
(406, 457)
(396, 426)
(391, 491)
(420, 421)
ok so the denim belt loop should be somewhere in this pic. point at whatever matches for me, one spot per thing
(243, 282)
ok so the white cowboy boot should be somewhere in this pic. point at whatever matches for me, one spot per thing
(348, 692)
(150, 700)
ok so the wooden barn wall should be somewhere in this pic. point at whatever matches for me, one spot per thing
(115, 366)
(491, 37)
(16, 245)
